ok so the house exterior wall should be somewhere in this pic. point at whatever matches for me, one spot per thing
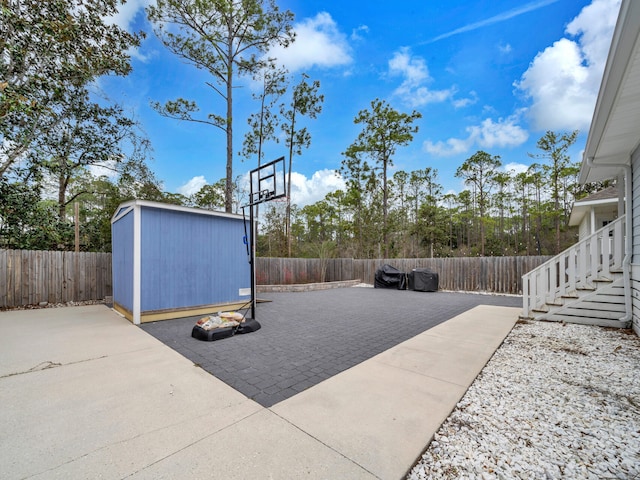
(122, 260)
(635, 259)
(602, 215)
(584, 229)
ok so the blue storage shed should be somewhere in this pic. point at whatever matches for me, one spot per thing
(171, 261)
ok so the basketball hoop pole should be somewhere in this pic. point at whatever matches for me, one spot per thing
(267, 174)
(252, 261)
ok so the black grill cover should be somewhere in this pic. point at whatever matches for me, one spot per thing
(390, 277)
(423, 280)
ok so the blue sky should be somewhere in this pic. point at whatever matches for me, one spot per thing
(489, 75)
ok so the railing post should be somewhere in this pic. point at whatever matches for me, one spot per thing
(562, 271)
(618, 243)
(606, 250)
(525, 295)
(551, 286)
(583, 264)
(571, 273)
(594, 256)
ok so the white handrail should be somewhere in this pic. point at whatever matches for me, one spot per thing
(592, 257)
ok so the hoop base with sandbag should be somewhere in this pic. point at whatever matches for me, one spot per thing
(200, 333)
(247, 326)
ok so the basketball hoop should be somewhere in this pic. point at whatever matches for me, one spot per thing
(267, 183)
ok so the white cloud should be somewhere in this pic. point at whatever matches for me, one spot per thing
(563, 80)
(489, 134)
(125, 19)
(356, 33)
(318, 43)
(505, 48)
(505, 133)
(306, 191)
(515, 168)
(108, 169)
(192, 186)
(127, 13)
(465, 102)
(415, 73)
(452, 146)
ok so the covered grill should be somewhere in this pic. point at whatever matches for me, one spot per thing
(423, 280)
(388, 276)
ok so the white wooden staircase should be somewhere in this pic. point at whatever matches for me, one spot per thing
(584, 284)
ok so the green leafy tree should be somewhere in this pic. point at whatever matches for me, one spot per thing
(479, 171)
(49, 47)
(501, 201)
(305, 102)
(227, 39)
(384, 129)
(536, 182)
(336, 201)
(359, 201)
(263, 124)
(429, 220)
(86, 134)
(210, 197)
(400, 182)
(272, 242)
(451, 211)
(554, 148)
(100, 195)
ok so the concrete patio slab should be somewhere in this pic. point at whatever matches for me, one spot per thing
(260, 446)
(96, 397)
(106, 403)
(28, 341)
(383, 412)
(379, 416)
(474, 335)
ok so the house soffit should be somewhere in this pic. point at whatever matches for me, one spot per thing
(614, 134)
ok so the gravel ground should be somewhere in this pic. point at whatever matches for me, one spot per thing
(54, 305)
(555, 401)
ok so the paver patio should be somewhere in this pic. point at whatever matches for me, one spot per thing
(307, 337)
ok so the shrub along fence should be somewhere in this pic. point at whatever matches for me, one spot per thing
(31, 277)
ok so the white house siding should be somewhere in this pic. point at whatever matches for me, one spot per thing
(635, 260)
(584, 229)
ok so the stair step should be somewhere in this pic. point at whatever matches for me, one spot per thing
(603, 280)
(601, 322)
(608, 297)
(591, 313)
(542, 309)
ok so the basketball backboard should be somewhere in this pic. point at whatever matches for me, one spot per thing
(267, 182)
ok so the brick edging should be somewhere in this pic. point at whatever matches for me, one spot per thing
(306, 287)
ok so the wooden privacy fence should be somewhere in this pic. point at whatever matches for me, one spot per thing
(31, 277)
(475, 274)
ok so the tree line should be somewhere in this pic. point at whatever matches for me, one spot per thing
(64, 143)
(407, 214)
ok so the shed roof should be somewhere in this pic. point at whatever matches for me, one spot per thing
(126, 206)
